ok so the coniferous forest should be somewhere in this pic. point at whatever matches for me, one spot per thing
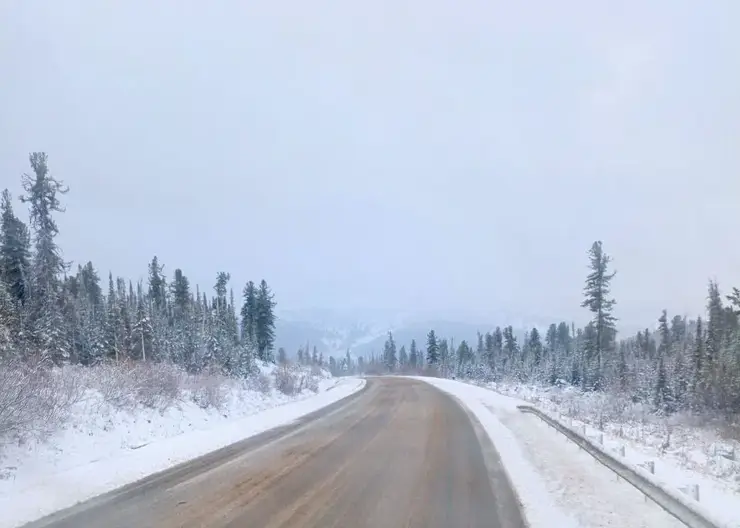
(681, 365)
(53, 315)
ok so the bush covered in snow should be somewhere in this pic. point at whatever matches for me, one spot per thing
(36, 400)
(293, 379)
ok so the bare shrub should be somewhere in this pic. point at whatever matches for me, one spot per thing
(35, 399)
(259, 383)
(311, 383)
(209, 391)
(127, 384)
(157, 385)
(286, 381)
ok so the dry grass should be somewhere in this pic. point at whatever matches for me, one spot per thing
(34, 399)
(37, 400)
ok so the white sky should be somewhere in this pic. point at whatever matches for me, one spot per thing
(452, 157)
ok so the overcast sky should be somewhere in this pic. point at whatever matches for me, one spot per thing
(453, 157)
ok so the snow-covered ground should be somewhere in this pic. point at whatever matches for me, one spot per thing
(683, 455)
(557, 483)
(103, 447)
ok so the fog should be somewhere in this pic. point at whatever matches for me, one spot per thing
(451, 158)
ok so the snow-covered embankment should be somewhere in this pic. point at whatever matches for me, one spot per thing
(102, 447)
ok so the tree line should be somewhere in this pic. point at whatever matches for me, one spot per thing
(51, 314)
(683, 364)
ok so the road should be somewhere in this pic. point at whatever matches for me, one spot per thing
(398, 454)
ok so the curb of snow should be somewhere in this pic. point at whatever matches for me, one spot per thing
(671, 500)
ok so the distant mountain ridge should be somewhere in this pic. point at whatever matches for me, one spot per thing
(334, 332)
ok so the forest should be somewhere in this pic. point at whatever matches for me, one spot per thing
(148, 343)
(52, 315)
(682, 365)
(58, 316)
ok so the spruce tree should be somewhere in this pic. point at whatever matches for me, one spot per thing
(265, 322)
(490, 353)
(403, 358)
(249, 311)
(498, 346)
(665, 335)
(14, 252)
(47, 325)
(389, 354)
(598, 301)
(464, 357)
(432, 350)
(535, 347)
(445, 361)
(413, 355)
(157, 284)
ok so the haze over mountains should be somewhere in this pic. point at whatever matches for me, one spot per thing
(362, 332)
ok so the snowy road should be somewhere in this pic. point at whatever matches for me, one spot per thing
(399, 453)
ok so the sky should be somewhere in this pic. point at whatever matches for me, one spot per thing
(456, 158)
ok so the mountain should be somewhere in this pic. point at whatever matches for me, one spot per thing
(334, 332)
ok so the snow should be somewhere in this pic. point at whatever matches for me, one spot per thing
(105, 448)
(557, 483)
(683, 455)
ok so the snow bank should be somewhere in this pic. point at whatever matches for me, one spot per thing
(104, 447)
(683, 456)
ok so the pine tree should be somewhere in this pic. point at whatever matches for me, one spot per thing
(597, 300)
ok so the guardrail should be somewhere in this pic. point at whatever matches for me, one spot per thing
(666, 499)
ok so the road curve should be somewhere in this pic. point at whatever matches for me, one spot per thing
(398, 454)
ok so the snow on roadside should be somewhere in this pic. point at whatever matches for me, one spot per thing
(689, 456)
(558, 484)
(106, 449)
(539, 507)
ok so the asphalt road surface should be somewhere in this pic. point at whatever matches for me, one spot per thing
(400, 453)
